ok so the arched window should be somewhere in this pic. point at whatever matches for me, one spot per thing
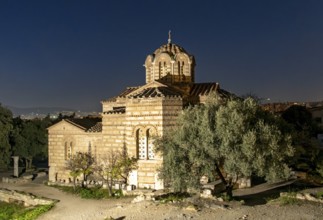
(145, 146)
(141, 145)
(68, 150)
(150, 145)
(89, 148)
(65, 150)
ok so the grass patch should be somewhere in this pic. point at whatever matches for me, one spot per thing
(172, 197)
(90, 193)
(288, 199)
(319, 195)
(19, 212)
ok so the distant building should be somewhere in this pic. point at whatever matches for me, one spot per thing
(134, 117)
(279, 107)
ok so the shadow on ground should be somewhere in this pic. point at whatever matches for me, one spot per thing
(264, 196)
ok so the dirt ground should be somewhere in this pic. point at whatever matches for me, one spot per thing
(72, 207)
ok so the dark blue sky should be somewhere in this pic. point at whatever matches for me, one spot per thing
(77, 53)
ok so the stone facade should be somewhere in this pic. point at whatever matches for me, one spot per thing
(133, 118)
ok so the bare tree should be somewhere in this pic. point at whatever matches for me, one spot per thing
(80, 163)
(115, 166)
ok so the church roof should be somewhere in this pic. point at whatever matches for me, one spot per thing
(127, 91)
(123, 94)
(116, 110)
(152, 92)
(194, 90)
(203, 89)
(87, 124)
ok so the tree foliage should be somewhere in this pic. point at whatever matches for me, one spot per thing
(29, 139)
(304, 130)
(5, 130)
(227, 140)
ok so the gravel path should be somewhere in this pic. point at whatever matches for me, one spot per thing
(72, 207)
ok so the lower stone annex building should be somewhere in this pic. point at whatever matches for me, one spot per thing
(133, 117)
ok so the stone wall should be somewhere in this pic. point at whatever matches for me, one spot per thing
(26, 199)
(65, 132)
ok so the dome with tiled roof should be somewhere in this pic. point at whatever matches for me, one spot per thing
(170, 48)
(170, 63)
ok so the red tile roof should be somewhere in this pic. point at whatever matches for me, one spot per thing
(87, 124)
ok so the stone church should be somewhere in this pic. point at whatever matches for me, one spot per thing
(132, 118)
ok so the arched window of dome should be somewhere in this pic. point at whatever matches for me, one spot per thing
(182, 69)
(159, 70)
(179, 68)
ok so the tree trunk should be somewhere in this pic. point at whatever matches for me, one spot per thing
(26, 164)
(74, 183)
(109, 186)
(228, 184)
(84, 180)
(30, 162)
(228, 189)
(219, 173)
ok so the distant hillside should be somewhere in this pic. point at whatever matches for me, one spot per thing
(38, 110)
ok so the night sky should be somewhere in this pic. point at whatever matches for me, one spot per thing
(76, 53)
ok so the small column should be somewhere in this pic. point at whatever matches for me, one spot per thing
(15, 166)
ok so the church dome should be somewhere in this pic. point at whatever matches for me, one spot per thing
(171, 49)
(170, 63)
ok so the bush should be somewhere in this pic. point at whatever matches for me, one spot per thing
(94, 193)
(90, 193)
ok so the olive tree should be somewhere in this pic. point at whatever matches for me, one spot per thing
(226, 139)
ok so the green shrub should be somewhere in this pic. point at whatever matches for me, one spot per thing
(94, 193)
